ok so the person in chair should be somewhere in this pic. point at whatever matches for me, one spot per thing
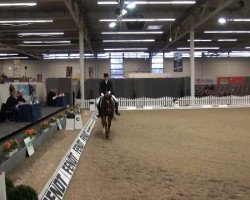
(106, 85)
(12, 103)
(51, 97)
(20, 97)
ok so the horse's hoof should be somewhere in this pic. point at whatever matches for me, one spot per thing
(107, 136)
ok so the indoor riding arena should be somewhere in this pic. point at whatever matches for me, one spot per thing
(125, 100)
(160, 154)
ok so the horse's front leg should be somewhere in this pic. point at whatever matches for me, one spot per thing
(104, 124)
(109, 123)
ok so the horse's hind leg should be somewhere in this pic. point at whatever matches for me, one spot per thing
(109, 124)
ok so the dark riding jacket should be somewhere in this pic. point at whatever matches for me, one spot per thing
(105, 87)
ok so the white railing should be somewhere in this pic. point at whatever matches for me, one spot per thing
(182, 102)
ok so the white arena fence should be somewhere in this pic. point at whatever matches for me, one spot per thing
(177, 102)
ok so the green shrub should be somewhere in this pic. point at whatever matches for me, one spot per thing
(9, 185)
(22, 192)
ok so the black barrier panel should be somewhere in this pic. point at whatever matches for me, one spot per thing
(134, 88)
(61, 85)
(248, 80)
(124, 88)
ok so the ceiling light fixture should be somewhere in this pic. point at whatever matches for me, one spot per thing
(126, 49)
(147, 2)
(154, 27)
(140, 20)
(8, 54)
(222, 20)
(201, 40)
(199, 48)
(239, 20)
(124, 12)
(24, 21)
(47, 42)
(131, 5)
(227, 40)
(112, 25)
(17, 4)
(132, 32)
(227, 32)
(12, 58)
(44, 45)
(145, 40)
(41, 34)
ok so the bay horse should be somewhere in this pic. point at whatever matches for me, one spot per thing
(107, 113)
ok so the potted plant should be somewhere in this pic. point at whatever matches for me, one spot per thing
(10, 148)
(60, 117)
(71, 109)
(22, 192)
(31, 133)
(44, 127)
(52, 121)
(78, 108)
(66, 113)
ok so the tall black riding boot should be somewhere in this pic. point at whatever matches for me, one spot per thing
(99, 111)
(116, 109)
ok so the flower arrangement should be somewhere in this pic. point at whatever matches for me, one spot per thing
(10, 146)
(30, 133)
(71, 109)
(60, 116)
(44, 125)
(52, 120)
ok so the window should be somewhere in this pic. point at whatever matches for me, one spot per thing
(157, 64)
(116, 67)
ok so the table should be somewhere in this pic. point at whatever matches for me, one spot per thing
(29, 112)
(61, 101)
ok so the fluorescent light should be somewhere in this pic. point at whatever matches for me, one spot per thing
(140, 20)
(147, 2)
(227, 32)
(222, 20)
(132, 32)
(107, 2)
(17, 4)
(162, 2)
(12, 58)
(124, 12)
(24, 21)
(146, 40)
(47, 42)
(198, 48)
(131, 5)
(44, 45)
(126, 49)
(112, 25)
(154, 27)
(8, 54)
(41, 34)
(227, 40)
(201, 40)
(247, 47)
(239, 20)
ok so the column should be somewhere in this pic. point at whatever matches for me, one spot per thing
(192, 64)
(81, 54)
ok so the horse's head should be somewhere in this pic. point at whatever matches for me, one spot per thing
(107, 104)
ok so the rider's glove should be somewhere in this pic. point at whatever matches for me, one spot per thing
(102, 94)
(109, 92)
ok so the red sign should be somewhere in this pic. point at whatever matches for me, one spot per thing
(231, 80)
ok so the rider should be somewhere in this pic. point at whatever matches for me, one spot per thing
(106, 86)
